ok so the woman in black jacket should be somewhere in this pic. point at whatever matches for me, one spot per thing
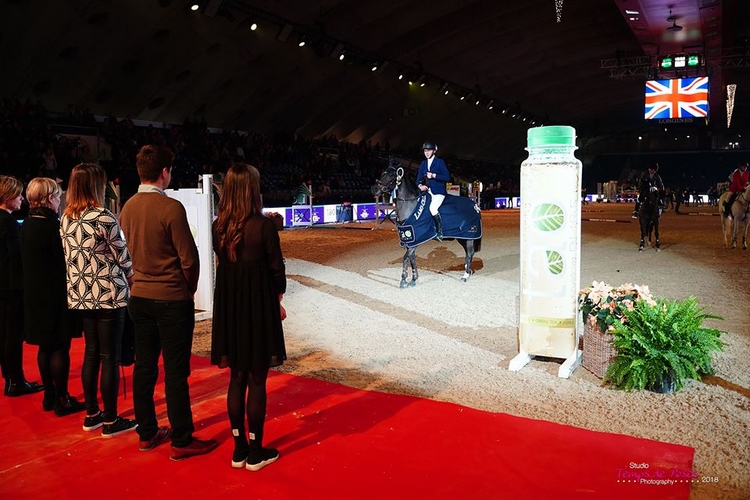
(11, 295)
(48, 322)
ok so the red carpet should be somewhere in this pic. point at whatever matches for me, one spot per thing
(335, 443)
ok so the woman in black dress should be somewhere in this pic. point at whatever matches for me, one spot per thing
(48, 321)
(247, 334)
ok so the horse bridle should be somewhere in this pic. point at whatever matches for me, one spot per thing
(399, 177)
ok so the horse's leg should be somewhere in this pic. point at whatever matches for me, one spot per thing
(724, 227)
(469, 249)
(643, 234)
(404, 263)
(744, 235)
(413, 260)
(734, 231)
(657, 243)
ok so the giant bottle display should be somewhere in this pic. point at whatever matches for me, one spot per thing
(550, 244)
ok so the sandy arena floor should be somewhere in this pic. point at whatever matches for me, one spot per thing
(350, 323)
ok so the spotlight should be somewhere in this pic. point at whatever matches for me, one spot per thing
(253, 26)
(374, 66)
(342, 56)
(195, 7)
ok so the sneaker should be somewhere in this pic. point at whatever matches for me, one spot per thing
(258, 459)
(196, 447)
(162, 434)
(93, 422)
(239, 459)
(118, 426)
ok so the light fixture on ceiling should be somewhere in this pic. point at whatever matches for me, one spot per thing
(671, 19)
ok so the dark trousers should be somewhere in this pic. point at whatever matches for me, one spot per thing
(166, 328)
(102, 329)
(11, 339)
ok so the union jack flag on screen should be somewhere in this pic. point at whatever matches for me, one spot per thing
(678, 98)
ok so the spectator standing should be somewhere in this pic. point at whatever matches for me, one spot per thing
(98, 274)
(48, 321)
(11, 291)
(247, 334)
(162, 306)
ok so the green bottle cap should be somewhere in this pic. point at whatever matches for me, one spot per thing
(552, 136)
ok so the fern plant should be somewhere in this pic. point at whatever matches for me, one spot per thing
(663, 340)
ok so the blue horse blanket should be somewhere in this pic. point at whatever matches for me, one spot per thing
(460, 215)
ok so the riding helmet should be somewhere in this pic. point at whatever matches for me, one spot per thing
(654, 166)
(429, 145)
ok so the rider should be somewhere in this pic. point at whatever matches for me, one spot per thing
(432, 176)
(738, 183)
(650, 182)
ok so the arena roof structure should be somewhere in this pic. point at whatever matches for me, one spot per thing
(481, 71)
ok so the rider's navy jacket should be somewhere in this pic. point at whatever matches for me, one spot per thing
(436, 185)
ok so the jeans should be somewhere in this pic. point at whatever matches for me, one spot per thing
(102, 330)
(166, 328)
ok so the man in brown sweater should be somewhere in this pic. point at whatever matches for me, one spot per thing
(165, 260)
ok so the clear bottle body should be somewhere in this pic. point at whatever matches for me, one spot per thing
(550, 249)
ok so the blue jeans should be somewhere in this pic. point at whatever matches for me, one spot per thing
(163, 328)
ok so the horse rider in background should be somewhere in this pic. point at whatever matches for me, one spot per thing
(738, 182)
(650, 182)
(432, 176)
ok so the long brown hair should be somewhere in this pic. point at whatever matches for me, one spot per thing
(86, 187)
(240, 200)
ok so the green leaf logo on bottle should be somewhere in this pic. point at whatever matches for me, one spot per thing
(548, 217)
(554, 262)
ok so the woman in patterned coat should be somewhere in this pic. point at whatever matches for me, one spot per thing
(98, 274)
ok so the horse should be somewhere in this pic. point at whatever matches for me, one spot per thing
(649, 215)
(415, 224)
(740, 209)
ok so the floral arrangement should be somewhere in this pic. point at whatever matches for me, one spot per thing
(608, 304)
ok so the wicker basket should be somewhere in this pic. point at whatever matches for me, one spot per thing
(598, 351)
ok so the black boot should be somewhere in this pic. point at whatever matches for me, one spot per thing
(67, 405)
(48, 402)
(438, 226)
(22, 388)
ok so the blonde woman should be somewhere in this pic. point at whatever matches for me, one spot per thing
(98, 275)
(48, 322)
(11, 294)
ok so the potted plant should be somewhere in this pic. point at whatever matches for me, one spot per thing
(602, 306)
(607, 304)
(659, 346)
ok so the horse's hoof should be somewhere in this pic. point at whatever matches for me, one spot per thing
(464, 280)
(640, 249)
(658, 249)
(412, 283)
(402, 284)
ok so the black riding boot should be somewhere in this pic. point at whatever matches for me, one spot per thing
(728, 206)
(438, 226)
(635, 210)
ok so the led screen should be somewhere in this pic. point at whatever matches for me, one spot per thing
(677, 98)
